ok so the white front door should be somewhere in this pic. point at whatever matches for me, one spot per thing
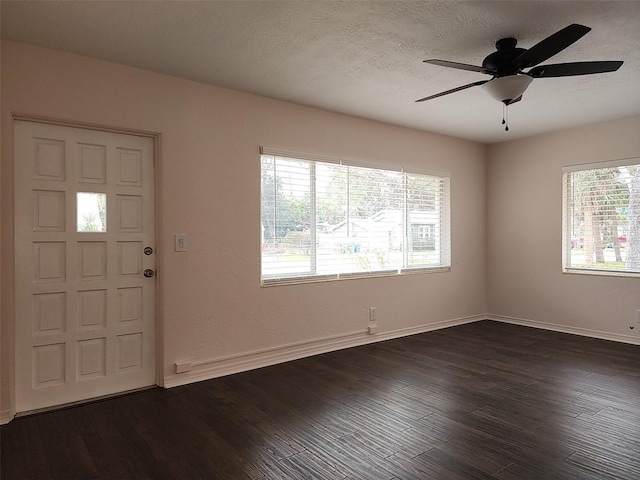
(85, 259)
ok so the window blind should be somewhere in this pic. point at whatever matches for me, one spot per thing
(602, 218)
(326, 220)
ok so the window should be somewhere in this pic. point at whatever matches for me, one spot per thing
(601, 218)
(91, 212)
(324, 220)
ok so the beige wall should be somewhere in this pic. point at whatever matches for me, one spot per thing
(211, 305)
(525, 282)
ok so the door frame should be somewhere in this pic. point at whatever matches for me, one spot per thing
(7, 415)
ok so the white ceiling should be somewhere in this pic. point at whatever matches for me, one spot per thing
(361, 58)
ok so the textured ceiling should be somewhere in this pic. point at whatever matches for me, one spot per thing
(361, 58)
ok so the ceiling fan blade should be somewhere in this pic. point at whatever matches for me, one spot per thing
(576, 68)
(453, 90)
(460, 66)
(551, 45)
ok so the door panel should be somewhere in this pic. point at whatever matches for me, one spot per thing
(85, 320)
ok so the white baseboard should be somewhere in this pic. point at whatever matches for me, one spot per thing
(5, 417)
(218, 367)
(585, 332)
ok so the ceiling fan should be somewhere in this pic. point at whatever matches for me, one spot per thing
(508, 63)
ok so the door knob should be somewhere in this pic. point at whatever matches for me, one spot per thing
(149, 273)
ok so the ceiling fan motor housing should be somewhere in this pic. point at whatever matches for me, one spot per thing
(502, 61)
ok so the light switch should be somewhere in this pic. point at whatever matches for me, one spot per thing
(181, 242)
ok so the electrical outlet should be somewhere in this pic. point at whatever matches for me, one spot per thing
(372, 314)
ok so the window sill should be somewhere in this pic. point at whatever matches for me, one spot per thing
(272, 282)
(601, 273)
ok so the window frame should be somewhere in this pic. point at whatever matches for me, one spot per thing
(567, 242)
(444, 218)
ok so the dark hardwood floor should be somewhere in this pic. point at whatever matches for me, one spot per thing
(483, 400)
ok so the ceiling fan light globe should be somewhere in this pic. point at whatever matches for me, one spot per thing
(505, 89)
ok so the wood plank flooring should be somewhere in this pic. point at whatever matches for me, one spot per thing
(478, 401)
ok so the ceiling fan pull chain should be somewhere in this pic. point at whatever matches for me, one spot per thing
(505, 116)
